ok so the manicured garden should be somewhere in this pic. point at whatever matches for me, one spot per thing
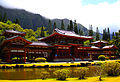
(88, 79)
(101, 71)
(56, 64)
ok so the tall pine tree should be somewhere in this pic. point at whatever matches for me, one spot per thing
(54, 26)
(97, 34)
(108, 34)
(75, 27)
(113, 34)
(81, 32)
(68, 27)
(71, 25)
(105, 34)
(50, 27)
(91, 32)
(42, 32)
(62, 25)
(4, 18)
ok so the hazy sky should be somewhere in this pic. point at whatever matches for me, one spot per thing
(99, 13)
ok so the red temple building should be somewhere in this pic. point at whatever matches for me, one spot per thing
(60, 46)
(102, 48)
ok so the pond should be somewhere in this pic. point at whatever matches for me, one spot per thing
(34, 73)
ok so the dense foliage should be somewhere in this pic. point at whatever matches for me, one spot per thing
(40, 60)
(112, 68)
(44, 75)
(106, 34)
(97, 34)
(101, 57)
(31, 35)
(62, 74)
(90, 32)
(81, 72)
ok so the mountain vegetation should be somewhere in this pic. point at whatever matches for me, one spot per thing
(28, 20)
(31, 35)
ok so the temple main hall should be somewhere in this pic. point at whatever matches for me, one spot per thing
(61, 45)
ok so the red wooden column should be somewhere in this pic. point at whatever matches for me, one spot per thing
(69, 53)
(8, 57)
(25, 55)
(56, 53)
(110, 54)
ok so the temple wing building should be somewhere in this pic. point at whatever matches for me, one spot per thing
(60, 46)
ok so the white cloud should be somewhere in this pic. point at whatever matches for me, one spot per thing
(100, 15)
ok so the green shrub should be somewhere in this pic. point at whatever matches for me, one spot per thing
(101, 57)
(44, 75)
(81, 72)
(112, 68)
(62, 74)
(40, 60)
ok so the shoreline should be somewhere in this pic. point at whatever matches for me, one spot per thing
(55, 64)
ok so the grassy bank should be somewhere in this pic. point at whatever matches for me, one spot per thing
(89, 79)
(58, 64)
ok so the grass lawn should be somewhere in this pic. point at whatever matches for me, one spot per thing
(89, 79)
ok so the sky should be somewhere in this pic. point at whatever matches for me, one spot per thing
(98, 13)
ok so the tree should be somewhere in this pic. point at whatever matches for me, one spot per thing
(9, 22)
(75, 27)
(108, 34)
(29, 33)
(4, 18)
(71, 25)
(54, 26)
(90, 31)
(68, 27)
(106, 37)
(97, 34)
(105, 34)
(50, 27)
(81, 72)
(42, 32)
(98, 71)
(16, 21)
(16, 27)
(62, 25)
(62, 74)
(81, 32)
(113, 35)
(38, 32)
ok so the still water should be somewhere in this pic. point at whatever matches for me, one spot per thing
(34, 73)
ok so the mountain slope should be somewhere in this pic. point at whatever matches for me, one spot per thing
(32, 21)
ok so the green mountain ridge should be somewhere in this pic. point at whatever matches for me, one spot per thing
(30, 20)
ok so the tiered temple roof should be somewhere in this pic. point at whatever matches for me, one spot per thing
(100, 43)
(65, 34)
(39, 44)
(9, 32)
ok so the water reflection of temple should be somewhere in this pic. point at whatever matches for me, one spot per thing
(60, 46)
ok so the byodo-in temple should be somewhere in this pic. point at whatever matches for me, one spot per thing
(60, 46)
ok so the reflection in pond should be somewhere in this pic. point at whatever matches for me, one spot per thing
(34, 73)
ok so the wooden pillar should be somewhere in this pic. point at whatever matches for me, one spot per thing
(57, 53)
(24, 55)
(110, 54)
(8, 57)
